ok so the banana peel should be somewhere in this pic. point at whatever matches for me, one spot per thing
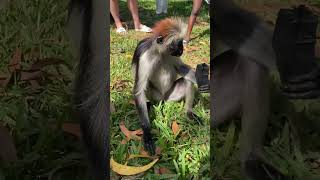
(130, 170)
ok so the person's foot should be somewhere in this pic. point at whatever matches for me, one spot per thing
(121, 30)
(144, 28)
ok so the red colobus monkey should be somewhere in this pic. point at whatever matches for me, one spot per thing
(88, 27)
(160, 74)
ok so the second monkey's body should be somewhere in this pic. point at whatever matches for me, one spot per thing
(160, 74)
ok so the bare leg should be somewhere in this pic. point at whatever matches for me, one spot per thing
(194, 14)
(114, 8)
(133, 6)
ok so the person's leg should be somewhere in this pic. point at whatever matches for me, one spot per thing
(114, 9)
(133, 6)
(194, 14)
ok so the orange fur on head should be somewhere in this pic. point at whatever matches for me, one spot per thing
(162, 28)
(169, 26)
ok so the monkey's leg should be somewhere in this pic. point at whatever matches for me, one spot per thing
(255, 114)
(183, 88)
(226, 83)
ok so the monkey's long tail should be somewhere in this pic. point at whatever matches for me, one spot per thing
(243, 31)
(91, 92)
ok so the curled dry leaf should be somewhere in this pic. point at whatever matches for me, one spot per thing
(129, 134)
(130, 170)
(175, 128)
(72, 128)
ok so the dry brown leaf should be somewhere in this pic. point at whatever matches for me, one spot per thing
(175, 128)
(8, 152)
(164, 170)
(120, 85)
(34, 84)
(72, 128)
(129, 134)
(15, 62)
(38, 65)
(143, 152)
(4, 80)
(191, 48)
(158, 150)
(138, 132)
(156, 170)
(124, 141)
(30, 75)
(132, 102)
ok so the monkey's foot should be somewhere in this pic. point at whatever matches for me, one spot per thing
(194, 117)
(149, 144)
(258, 170)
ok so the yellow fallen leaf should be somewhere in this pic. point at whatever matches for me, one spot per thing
(138, 156)
(130, 170)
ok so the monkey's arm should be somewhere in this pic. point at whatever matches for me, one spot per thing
(142, 68)
(186, 71)
(91, 93)
(244, 32)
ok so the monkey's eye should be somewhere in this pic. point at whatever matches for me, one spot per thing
(160, 40)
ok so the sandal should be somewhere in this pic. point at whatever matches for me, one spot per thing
(144, 28)
(121, 30)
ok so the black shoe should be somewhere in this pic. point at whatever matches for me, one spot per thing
(202, 76)
(294, 44)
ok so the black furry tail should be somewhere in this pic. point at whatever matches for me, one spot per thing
(91, 92)
(242, 31)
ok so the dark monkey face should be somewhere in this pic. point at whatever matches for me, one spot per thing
(175, 48)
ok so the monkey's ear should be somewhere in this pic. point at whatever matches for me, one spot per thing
(160, 40)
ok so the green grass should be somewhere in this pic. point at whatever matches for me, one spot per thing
(186, 155)
(35, 117)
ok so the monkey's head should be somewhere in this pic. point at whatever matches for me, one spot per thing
(168, 35)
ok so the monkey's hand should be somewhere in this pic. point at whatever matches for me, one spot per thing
(149, 143)
(192, 116)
